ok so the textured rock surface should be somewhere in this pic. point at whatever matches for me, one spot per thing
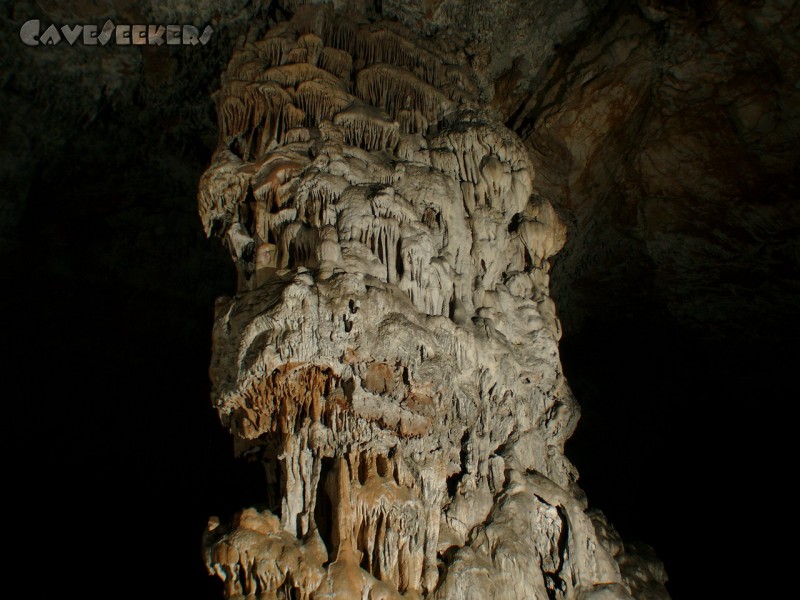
(391, 355)
(669, 134)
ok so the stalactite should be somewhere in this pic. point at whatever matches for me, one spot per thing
(273, 50)
(367, 128)
(298, 56)
(293, 74)
(320, 101)
(233, 117)
(250, 70)
(344, 35)
(222, 188)
(412, 121)
(338, 62)
(313, 45)
(316, 198)
(395, 89)
(385, 46)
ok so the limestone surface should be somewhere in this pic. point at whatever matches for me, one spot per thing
(391, 356)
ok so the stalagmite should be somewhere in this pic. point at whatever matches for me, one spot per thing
(392, 349)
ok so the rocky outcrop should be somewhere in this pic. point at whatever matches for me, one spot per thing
(391, 354)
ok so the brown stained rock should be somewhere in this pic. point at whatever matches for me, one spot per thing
(379, 378)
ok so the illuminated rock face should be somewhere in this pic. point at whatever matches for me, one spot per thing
(391, 355)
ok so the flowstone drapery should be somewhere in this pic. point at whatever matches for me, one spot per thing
(391, 354)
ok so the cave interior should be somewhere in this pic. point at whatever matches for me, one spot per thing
(677, 289)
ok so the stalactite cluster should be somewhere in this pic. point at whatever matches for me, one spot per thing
(391, 354)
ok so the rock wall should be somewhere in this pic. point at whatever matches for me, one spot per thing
(391, 354)
(668, 133)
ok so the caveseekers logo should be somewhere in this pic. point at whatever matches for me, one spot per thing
(32, 34)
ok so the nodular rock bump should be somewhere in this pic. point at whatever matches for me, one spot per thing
(391, 356)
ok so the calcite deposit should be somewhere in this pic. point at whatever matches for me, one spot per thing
(391, 354)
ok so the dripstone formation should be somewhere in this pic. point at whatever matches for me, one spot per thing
(391, 354)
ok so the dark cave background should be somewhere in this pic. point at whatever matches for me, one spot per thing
(115, 456)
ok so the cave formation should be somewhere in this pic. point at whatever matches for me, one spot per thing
(660, 142)
(391, 353)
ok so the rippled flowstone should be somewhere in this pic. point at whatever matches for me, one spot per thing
(391, 354)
